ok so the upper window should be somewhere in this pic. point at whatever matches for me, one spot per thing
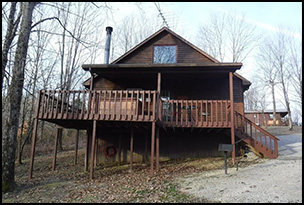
(164, 54)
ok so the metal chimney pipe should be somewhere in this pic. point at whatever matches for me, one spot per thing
(107, 47)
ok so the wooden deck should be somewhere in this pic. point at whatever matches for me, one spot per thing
(132, 106)
(196, 113)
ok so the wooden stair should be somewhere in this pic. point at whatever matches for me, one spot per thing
(256, 138)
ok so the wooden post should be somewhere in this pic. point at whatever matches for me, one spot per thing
(86, 157)
(34, 135)
(131, 148)
(119, 149)
(146, 149)
(158, 108)
(157, 148)
(58, 132)
(93, 149)
(33, 148)
(95, 152)
(158, 82)
(232, 115)
(76, 147)
(152, 148)
(92, 78)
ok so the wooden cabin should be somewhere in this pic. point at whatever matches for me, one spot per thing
(164, 98)
(265, 118)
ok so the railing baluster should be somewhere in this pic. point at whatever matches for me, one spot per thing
(104, 105)
(201, 113)
(186, 109)
(110, 105)
(196, 114)
(149, 104)
(191, 115)
(265, 141)
(270, 144)
(132, 104)
(177, 118)
(56, 106)
(212, 114)
(154, 105)
(114, 105)
(137, 107)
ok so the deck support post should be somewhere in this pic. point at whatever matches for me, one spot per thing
(152, 148)
(34, 135)
(158, 82)
(146, 150)
(33, 148)
(58, 132)
(76, 147)
(131, 148)
(93, 149)
(232, 115)
(119, 149)
(87, 151)
(95, 152)
(157, 148)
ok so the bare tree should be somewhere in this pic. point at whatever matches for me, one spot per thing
(12, 25)
(295, 71)
(251, 98)
(9, 137)
(211, 36)
(131, 31)
(227, 37)
(280, 51)
(255, 99)
(262, 103)
(267, 72)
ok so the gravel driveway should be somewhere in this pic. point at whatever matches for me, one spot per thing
(271, 181)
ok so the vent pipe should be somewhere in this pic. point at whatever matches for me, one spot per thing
(107, 47)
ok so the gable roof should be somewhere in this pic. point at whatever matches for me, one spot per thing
(164, 29)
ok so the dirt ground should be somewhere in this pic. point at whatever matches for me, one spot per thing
(115, 183)
(273, 181)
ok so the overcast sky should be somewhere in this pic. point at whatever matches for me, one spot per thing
(187, 16)
(184, 18)
(265, 15)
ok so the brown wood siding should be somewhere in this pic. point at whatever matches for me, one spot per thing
(185, 54)
(237, 90)
(104, 84)
(239, 107)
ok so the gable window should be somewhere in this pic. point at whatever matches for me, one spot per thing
(164, 54)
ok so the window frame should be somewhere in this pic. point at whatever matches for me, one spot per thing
(159, 45)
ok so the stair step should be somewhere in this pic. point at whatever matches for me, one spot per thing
(255, 146)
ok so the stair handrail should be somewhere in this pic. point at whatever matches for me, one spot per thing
(267, 134)
(258, 127)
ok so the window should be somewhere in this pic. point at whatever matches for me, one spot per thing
(271, 116)
(164, 54)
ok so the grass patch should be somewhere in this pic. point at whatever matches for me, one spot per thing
(171, 194)
(8, 201)
(53, 185)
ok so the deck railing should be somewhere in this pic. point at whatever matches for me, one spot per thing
(132, 105)
(196, 113)
(98, 105)
(258, 134)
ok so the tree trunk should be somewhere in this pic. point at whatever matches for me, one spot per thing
(9, 138)
(9, 36)
(274, 104)
(287, 102)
